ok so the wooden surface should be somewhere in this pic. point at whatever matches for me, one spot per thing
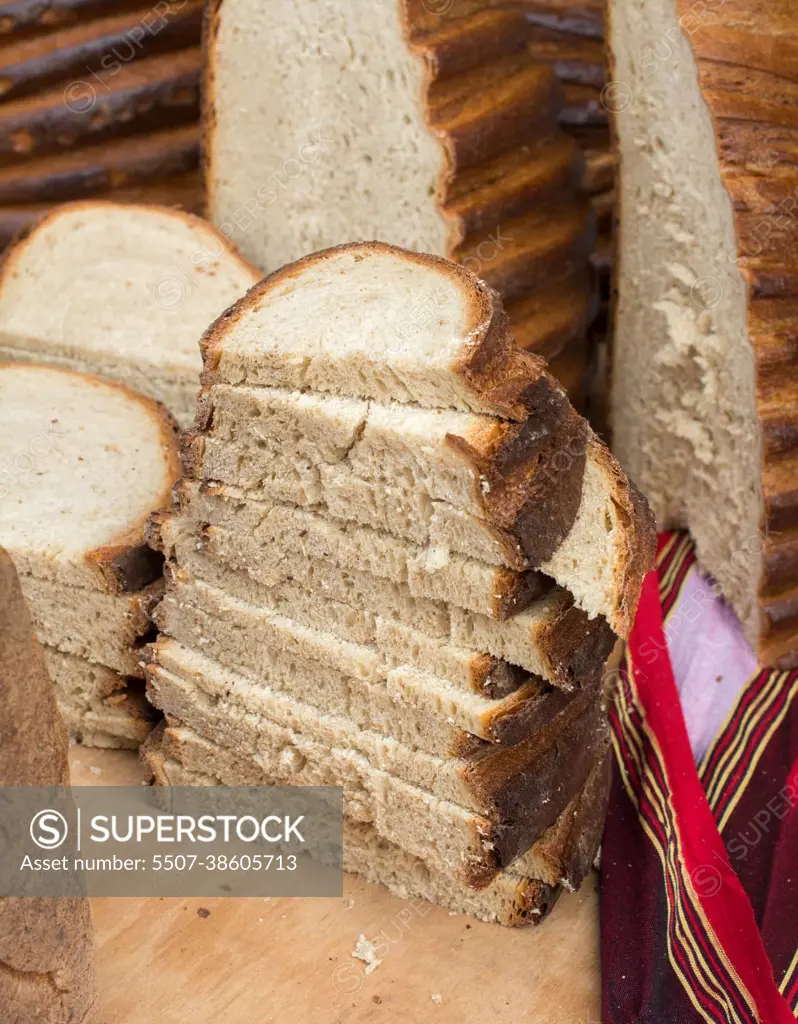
(255, 961)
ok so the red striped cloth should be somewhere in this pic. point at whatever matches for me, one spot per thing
(699, 870)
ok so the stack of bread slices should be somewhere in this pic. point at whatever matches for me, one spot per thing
(97, 99)
(83, 462)
(396, 563)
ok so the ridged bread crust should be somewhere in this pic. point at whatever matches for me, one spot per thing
(492, 106)
(145, 94)
(30, 17)
(122, 164)
(78, 50)
(747, 58)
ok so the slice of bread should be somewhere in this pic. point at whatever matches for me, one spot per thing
(522, 893)
(407, 631)
(84, 462)
(123, 163)
(131, 291)
(283, 535)
(451, 146)
(437, 337)
(105, 629)
(705, 412)
(145, 95)
(441, 716)
(236, 713)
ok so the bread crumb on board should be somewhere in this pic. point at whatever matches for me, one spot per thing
(367, 952)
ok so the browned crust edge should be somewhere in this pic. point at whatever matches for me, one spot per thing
(126, 563)
(16, 251)
(503, 379)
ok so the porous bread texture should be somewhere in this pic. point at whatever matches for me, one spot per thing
(484, 778)
(206, 618)
(451, 144)
(325, 749)
(370, 320)
(178, 191)
(684, 402)
(521, 893)
(162, 276)
(280, 535)
(439, 478)
(551, 638)
(105, 629)
(407, 631)
(100, 707)
(84, 463)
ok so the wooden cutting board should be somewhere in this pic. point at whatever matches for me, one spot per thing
(255, 961)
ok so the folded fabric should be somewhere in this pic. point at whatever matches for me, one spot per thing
(699, 884)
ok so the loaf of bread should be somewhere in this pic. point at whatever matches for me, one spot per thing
(704, 396)
(433, 129)
(130, 291)
(84, 462)
(396, 563)
(97, 99)
(46, 956)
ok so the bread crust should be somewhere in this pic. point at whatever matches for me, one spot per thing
(488, 101)
(746, 58)
(151, 93)
(29, 17)
(503, 380)
(127, 563)
(139, 160)
(40, 939)
(77, 50)
(567, 849)
(14, 253)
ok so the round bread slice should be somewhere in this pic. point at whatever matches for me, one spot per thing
(130, 290)
(83, 462)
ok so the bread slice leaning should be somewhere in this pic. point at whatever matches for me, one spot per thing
(705, 373)
(130, 291)
(84, 463)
